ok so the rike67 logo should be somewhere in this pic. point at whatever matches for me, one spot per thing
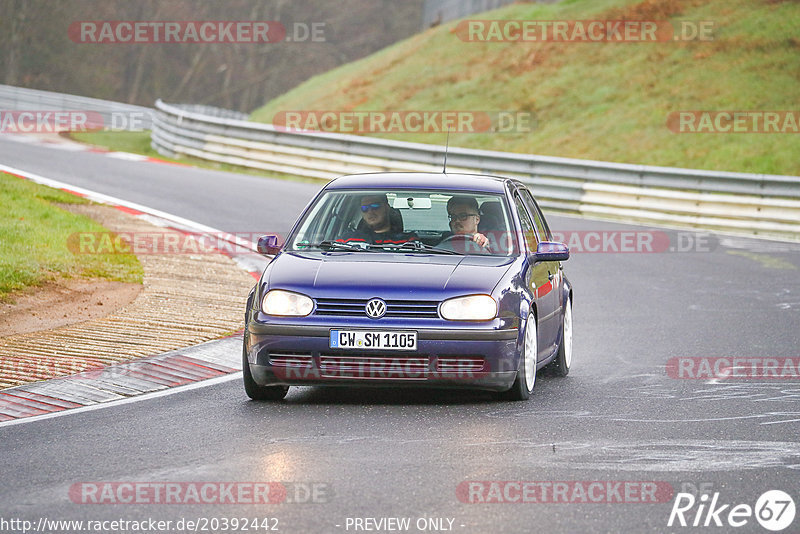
(774, 510)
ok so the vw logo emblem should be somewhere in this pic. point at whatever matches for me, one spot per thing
(376, 308)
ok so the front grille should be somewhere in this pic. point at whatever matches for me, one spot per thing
(417, 309)
(374, 367)
(302, 361)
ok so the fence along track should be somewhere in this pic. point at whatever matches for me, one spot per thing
(747, 204)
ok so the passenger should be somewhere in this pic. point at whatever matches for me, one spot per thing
(464, 219)
(380, 224)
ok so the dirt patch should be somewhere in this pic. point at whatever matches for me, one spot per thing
(64, 301)
(651, 10)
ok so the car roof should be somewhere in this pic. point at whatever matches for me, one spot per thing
(420, 180)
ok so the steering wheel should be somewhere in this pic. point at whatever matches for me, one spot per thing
(462, 237)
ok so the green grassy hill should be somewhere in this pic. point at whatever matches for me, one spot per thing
(605, 101)
(35, 232)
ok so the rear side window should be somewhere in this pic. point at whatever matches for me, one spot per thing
(538, 218)
(527, 224)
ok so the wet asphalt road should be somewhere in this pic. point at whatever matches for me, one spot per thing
(377, 453)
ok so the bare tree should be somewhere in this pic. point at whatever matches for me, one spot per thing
(37, 50)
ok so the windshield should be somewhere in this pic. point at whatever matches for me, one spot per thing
(433, 222)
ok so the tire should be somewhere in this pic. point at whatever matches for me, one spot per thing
(253, 390)
(563, 361)
(526, 375)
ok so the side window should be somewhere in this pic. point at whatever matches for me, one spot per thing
(317, 225)
(538, 218)
(527, 224)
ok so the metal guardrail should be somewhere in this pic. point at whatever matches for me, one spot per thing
(213, 111)
(760, 204)
(115, 115)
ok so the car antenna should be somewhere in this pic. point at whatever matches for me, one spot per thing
(446, 146)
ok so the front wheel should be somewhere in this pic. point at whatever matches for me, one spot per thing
(563, 361)
(526, 375)
(256, 392)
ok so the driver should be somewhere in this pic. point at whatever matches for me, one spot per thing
(464, 218)
(377, 226)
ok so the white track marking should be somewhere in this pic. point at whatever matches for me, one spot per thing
(129, 400)
(107, 199)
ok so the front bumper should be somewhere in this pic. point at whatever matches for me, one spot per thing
(283, 354)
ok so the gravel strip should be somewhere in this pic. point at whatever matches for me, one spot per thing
(186, 299)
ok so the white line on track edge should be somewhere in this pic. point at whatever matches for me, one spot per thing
(129, 400)
(107, 199)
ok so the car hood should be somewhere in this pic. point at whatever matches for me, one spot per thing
(364, 275)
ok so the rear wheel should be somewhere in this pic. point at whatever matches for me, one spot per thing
(253, 390)
(526, 375)
(563, 361)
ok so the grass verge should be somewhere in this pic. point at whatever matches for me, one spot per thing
(133, 142)
(34, 232)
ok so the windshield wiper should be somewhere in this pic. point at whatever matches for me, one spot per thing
(328, 245)
(420, 246)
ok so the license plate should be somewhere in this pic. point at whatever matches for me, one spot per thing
(365, 339)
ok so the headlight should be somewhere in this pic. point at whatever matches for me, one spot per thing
(472, 308)
(286, 303)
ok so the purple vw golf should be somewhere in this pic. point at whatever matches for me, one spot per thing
(411, 279)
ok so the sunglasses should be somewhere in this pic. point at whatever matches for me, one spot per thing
(366, 207)
(460, 216)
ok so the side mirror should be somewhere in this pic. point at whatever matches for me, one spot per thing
(268, 245)
(551, 251)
